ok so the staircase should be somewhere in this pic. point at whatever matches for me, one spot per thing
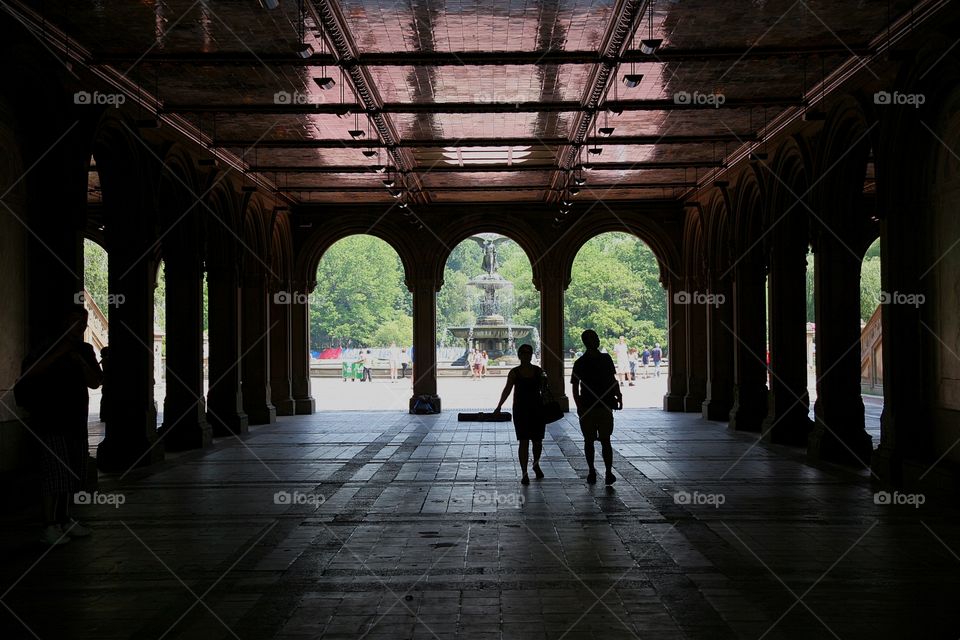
(97, 326)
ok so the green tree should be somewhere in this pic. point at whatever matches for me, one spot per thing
(615, 290)
(361, 297)
(96, 274)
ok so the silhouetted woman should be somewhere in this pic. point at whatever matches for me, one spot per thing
(525, 381)
(63, 370)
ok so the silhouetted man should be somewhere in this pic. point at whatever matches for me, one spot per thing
(596, 392)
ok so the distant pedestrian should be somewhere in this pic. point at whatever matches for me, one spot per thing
(656, 355)
(645, 358)
(394, 361)
(596, 394)
(366, 358)
(526, 382)
(623, 359)
(484, 361)
(632, 356)
(473, 364)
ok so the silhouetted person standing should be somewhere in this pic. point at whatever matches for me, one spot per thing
(526, 382)
(596, 392)
(58, 374)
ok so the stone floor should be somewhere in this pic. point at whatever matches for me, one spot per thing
(385, 525)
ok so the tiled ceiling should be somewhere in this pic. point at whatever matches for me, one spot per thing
(516, 83)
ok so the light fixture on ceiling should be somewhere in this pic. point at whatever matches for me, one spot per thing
(270, 4)
(606, 132)
(566, 204)
(379, 168)
(356, 134)
(325, 83)
(649, 46)
(304, 50)
(402, 205)
(580, 181)
(595, 150)
(389, 182)
(631, 80)
(368, 153)
(573, 191)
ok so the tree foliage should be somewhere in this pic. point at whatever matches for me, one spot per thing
(615, 290)
(360, 298)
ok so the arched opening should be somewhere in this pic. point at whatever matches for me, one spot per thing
(871, 339)
(361, 327)
(615, 290)
(486, 309)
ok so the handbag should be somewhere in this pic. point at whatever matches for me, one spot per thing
(551, 411)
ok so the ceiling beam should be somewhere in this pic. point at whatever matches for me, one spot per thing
(487, 142)
(477, 58)
(659, 104)
(488, 168)
(623, 186)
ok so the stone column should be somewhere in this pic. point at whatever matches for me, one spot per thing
(424, 292)
(300, 354)
(677, 347)
(719, 388)
(551, 332)
(692, 299)
(255, 337)
(224, 398)
(787, 420)
(131, 425)
(839, 433)
(280, 370)
(184, 409)
(749, 348)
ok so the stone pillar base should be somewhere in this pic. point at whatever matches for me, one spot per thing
(286, 407)
(748, 411)
(230, 425)
(304, 406)
(116, 456)
(853, 449)
(182, 437)
(716, 409)
(672, 402)
(793, 430)
(432, 399)
(266, 414)
(692, 404)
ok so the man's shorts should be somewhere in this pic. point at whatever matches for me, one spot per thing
(596, 423)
